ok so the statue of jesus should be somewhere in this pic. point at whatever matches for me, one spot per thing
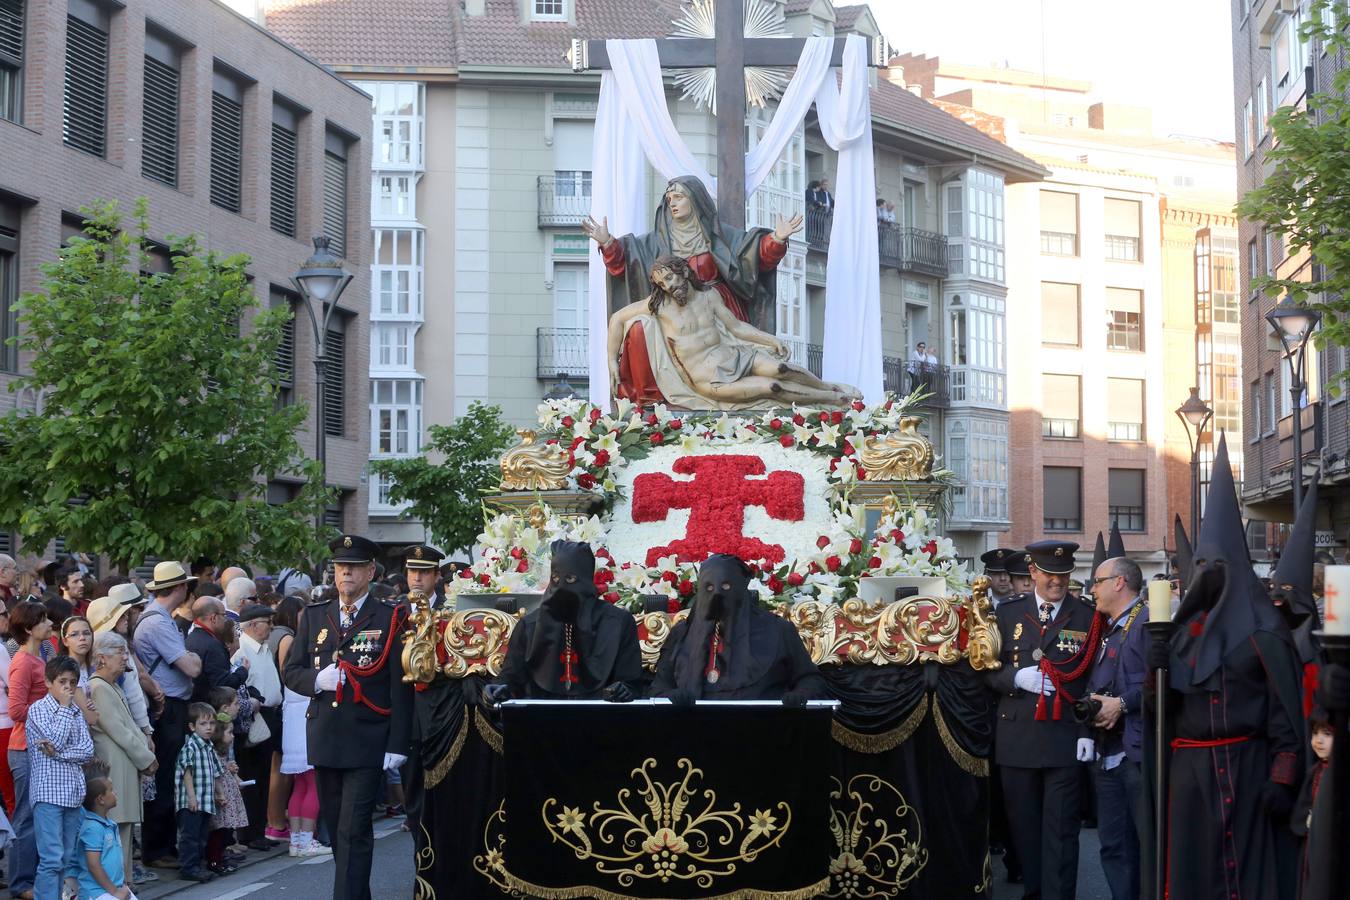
(703, 357)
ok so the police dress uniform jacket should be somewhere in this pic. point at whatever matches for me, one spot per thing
(1021, 738)
(371, 713)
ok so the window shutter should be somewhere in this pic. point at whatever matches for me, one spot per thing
(335, 384)
(227, 151)
(7, 542)
(1126, 487)
(1059, 212)
(11, 31)
(1124, 300)
(1059, 313)
(335, 202)
(1122, 217)
(85, 110)
(1063, 495)
(332, 515)
(1060, 400)
(285, 171)
(159, 136)
(1125, 400)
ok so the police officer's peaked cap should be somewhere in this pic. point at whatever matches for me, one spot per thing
(1053, 557)
(1017, 564)
(352, 548)
(422, 556)
(997, 560)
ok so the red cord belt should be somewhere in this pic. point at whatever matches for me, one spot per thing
(1188, 744)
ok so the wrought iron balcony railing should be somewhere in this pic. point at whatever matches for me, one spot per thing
(564, 199)
(562, 351)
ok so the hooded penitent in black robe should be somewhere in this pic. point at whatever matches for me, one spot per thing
(1291, 592)
(731, 648)
(738, 256)
(1233, 709)
(575, 645)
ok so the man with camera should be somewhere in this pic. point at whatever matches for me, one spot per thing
(1114, 706)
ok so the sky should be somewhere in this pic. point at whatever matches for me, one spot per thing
(1172, 55)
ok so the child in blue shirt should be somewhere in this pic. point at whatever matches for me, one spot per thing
(101, 871)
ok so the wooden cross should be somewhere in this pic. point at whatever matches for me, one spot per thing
(729, 53)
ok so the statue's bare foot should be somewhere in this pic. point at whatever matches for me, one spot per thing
(848, 392)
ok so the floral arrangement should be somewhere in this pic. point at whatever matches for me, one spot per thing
(515, 559)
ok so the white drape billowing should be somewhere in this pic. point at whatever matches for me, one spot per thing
(633, 118)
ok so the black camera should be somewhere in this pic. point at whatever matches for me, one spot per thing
(1086, 709)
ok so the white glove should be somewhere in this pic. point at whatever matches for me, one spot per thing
(394, 760)
(1087, 750)
(328, 679)
(1033, 681)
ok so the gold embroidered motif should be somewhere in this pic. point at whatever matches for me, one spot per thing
(874, 860)
(425, 859)
(667, 838)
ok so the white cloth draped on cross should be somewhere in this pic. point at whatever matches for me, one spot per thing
(633, 121)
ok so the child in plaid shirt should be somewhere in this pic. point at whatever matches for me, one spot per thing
(58, 747)
(197, 791)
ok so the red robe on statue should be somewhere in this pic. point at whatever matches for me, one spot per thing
(636, 381)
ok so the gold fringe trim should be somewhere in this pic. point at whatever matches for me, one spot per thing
(442, 768)
(972, 764)
(488, 733)
(548, 893)
(887, 740)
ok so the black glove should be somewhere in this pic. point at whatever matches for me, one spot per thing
(494, 694)
(1336, 687)
(795, 699)
(1159, 654)
(1277, 800)
(683, 699)
(619, 692)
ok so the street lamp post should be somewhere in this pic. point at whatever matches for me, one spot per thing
(321, 280)
(1294, 326)
(1194, 415)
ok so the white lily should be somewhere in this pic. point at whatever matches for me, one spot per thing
(827, 436)
(607, 442)
(689, 443)
(724, 427)
(548, 415)
(802, 433)
(529, 540)
(622, 407)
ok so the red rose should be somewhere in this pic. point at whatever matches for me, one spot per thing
(651, 419)
(855, 546)
(752, 429)
(832, 563)
(795, 579)
(604, 576)
(888, 405)
(670, 577)
(824, 417)
(517, 552)
(485, 578)
(898, 535)
(578, 441)
(586, 481)
(465, 573)
(686, 587)
(676, 424)
(822, 542)
(930, 548)
(612, 597)
(859, 405)
(775, 584)
(848, 447)
(595, 415)
(836, 418)
(786, 440)
(776, 424)
(672, 607)
(523, 566)
(568, 421)
(656, 437)
(862, 473)
(874, 562)
(601, 458)
(798, 420)
(834, 463)
(603, 553)
(813, 568)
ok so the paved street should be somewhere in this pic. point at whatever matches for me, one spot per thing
(1091, 881)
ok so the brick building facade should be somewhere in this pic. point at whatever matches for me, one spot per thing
(230, 133)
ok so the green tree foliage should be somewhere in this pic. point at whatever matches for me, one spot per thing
(161, 425)
(447, 496)
(1306, 197)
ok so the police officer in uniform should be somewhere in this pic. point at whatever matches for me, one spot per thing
(347, 656)
(1019, 573)
(421, 566)
(996, 567)
(1049, 643)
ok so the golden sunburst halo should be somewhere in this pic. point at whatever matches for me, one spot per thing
(763, 19)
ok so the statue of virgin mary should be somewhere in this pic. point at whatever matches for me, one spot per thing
(740, 265)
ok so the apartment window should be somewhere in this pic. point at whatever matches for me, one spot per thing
(1059, 223)
(549, 10)
(9, 286)
(159, 103)
(335, 379)
(1274, 251)
(1248, 130)
(955, 213)
(285, 169)
(335, 192)
(284, 359)
(1059, 313)
(1256, 410)
(1063, 492)
(11, 59)
(571, 290)
(1125, 498)
(1122, 229)
(977, 348)
(572, 149)
(85, 106)
(985, 206)
(1261, 124)
(1124, 319)
(1124, 409)
(978, 453)
(397, 272)
(393, 346)
(398, 123)
(1272, 403)
(227, 142)
(1288, 56)
(1223, 281)
(395, 417)
(395, 198)
(1061, 406)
